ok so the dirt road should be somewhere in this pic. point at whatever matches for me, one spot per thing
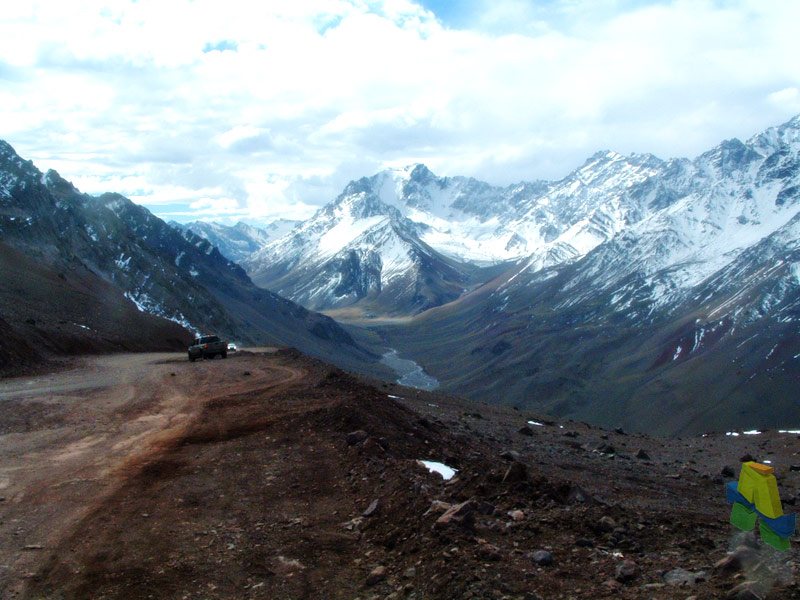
(65, 438)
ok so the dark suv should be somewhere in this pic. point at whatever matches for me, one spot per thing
(207, 346)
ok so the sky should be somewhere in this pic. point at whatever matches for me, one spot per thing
(239, 110)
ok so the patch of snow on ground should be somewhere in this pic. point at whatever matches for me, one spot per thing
(122, 262)
(792, 431)
(440, 468)
(536, 423)
(752, 432)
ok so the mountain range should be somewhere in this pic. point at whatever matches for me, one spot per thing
(632, 289)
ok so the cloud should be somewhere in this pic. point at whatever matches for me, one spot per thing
(269, 109)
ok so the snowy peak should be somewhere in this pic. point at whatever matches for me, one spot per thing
(360, 248)
(695, 219)
(774, 139)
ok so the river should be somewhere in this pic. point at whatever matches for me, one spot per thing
(411, 374)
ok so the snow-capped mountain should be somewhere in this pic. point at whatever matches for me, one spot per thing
(359, 249)
(696, 218)
(386, 235)
(237, 242)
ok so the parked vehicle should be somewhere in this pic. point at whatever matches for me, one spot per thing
(207, 346)
(232, 347)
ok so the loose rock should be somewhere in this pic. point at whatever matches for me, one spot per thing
(541, 557)
(606, 524)
(487, 551)
(356, 437)
(744, 591)
(373, 508)
(437, 507)
(678, 577)
(626, 571)
(511, 455)
(377, 575)
(461, 515)
(516, 472)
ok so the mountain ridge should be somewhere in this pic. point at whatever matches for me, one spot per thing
(158, 270)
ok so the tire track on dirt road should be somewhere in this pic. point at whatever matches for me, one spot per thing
(68, 440)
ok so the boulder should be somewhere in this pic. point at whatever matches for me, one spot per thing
(460, 516)
(377, 575)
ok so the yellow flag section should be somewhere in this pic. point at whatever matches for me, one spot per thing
(758, 485)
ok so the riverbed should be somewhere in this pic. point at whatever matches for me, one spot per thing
(411, 374)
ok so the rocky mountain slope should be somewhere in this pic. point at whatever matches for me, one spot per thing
(67, 309)
(180, 277)
(684, 321)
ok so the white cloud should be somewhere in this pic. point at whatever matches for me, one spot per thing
(270, 108)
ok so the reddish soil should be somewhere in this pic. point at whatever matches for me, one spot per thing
(146, 476)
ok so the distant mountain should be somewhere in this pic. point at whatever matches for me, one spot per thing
(359, 250)
(178, 276)
(684, 320)
(239, 241)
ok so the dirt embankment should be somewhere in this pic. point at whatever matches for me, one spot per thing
(275, 476)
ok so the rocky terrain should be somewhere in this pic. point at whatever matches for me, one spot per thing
(277, 476)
